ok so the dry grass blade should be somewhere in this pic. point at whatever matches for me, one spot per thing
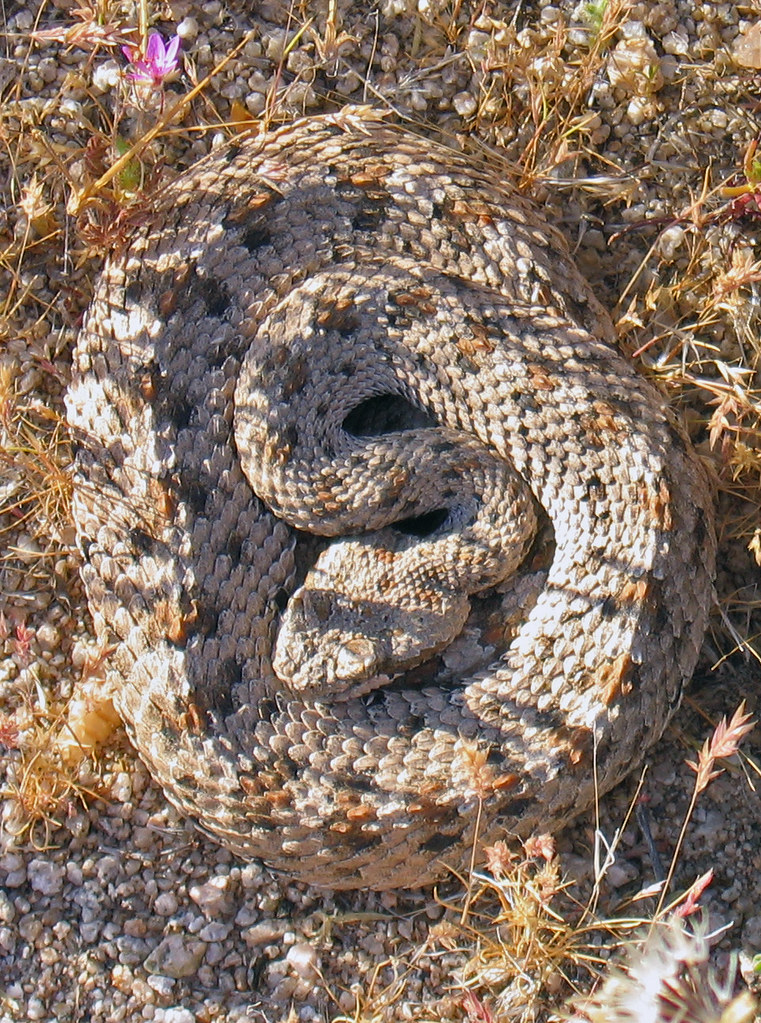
(534, 942)
(689, 902)
(90, 32)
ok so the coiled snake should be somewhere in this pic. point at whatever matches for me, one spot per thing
(390, 539)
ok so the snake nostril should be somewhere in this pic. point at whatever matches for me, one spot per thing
(422, 525)
(385, 413)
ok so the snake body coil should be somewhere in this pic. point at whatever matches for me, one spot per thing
(388, 536)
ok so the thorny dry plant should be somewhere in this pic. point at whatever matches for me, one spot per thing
(690, 316)
(534, 943)
(34, 453)
(535, 946)
(48, 786)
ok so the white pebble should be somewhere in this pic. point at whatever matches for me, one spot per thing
(108, 868)
(212, 9)
(639, 109)
(633, 30)
(7, 912)
(48, 636)
(634, 66)
(477, 44)
(161, 985)
(26, 549)
(165, 904)
(677, 43)
(74, 874)
(188, 28)
(255, 103)
(48, 69)
(35, 1009)
(72, 107)
(89, 932)
(303, 959)
(106, 76)
(45, 877)
(212, 897)
(214, 931)
(121, 787)
(244, 917)
(464, 104)
(30, 927)
(264, 933)
(258, 83)
(393, 8)
(718, 119)
(178, 1015)
(669, 241)
(277, 42)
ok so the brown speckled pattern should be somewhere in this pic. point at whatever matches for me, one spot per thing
(268, 292)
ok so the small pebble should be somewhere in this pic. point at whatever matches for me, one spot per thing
(46, 877)
(178, 1015)
(213, 897)
(165, 904)
(214, 932)
(304, 960)
(670, 240)
(48, 637)
(265, 933)
(187, 29)
(465, 104)
(176, 956)
(162, 985)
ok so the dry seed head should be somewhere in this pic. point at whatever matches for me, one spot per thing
(724, 742)
(667, 978)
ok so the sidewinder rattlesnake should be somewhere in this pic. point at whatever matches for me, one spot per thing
(391, 542)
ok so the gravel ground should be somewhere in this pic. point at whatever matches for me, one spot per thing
(118, 909)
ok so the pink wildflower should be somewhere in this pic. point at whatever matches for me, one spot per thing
(160, 59)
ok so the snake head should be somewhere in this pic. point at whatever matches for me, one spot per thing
(334, 644)
(321, 651)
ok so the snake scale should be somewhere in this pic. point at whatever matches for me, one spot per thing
(396, 552)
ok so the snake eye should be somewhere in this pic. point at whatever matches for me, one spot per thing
(355, 659)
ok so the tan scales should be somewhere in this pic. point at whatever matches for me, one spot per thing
(344, 405)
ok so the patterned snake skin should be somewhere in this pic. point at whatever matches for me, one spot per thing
(392, 543)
